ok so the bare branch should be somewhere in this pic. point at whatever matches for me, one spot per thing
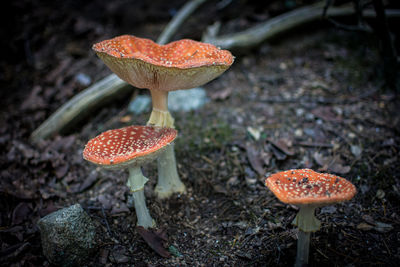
(267, 30)
(177, 21)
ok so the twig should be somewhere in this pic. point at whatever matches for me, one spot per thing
(106, 222)
(277, 25)
(104, 90)
(80, 106)
(177, 21)
(267, 30)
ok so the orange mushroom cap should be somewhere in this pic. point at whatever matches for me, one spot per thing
(128, 145)
(305, 186)
(181, 64)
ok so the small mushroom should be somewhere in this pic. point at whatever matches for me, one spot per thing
(308, 190)
(129, 148)
(178, 65)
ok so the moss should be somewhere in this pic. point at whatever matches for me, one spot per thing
(203, 137)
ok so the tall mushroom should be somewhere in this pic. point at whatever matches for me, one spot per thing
(129, 148)
(178, 65)
(308, 190)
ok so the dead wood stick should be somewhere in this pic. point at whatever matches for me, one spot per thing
(262, 32)
(178, 19)
(80, 105)
(104, 90)
(271, 28)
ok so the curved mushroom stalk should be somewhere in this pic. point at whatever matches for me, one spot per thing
(160, 115)
(168, 179)
(136, 182)
(306, 222)
(305, 219)
(303, 248)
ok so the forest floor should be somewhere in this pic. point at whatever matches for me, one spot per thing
(311, 99)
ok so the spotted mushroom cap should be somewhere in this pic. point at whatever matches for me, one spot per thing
(305, 186)
(181, 64)
(128, 146)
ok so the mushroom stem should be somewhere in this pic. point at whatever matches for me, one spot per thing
(303, 247)
(160, 115)
(168, 179)
(306, 222)
(136, 182)
(305, 219)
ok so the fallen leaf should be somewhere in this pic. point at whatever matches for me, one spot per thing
(326, 114)
(266, 157)
(122, 207)
(61, 171)
(155, 239)
(221, 94)
(255, 160)
(91, 179)
(254, 132)
(383, 227)
(279, 155)
(220, 189)
(284, 145)
(364, 226)
(118, 255)
(333, 164)
(20, 213)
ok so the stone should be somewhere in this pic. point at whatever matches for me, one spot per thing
(68, 236)
(83, 79)
(187, 100)
(139, 105)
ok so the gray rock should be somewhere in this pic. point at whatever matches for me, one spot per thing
(83, 79)
(139, 105)
(68, 236)
(180, 100)
(186, 100)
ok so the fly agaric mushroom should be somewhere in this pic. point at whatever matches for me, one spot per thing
(308, 190)
(130, 147)
(178, 65)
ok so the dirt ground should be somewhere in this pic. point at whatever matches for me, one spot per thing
(310, 99)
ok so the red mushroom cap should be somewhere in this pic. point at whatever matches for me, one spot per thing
(181, 64)
(305, 186)
(128, 145)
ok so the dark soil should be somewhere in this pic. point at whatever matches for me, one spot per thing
(311, 99)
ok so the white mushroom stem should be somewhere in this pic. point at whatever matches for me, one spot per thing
(303, 247)
(306, 222)
(305, 219)
(136, 182)
(168, 178)
(160, 115)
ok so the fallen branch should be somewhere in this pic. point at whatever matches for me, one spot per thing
(80, 105)
(177, 21)
(260, 33)
(104, 90)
